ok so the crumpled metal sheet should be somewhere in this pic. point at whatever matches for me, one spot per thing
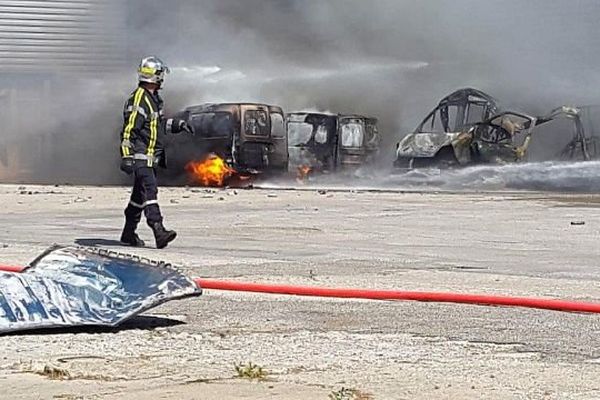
(71, 286)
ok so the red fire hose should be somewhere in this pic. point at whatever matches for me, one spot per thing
(528, 302)
(11, 268)
(547, 304)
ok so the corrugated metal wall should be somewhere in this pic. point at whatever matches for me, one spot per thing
(55, 36)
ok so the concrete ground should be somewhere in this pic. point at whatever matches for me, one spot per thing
(526, 244)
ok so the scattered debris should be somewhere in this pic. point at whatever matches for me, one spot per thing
(22, 190)
(174, 201)
(349, 394)
(577, 222)
(206, 380)
(68, 396)
(80, 200)
(322, 192)
(250, 371)
(272, 195)
(54, 373)
(62, 374)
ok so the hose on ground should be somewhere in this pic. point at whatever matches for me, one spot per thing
(438, 297)
(370, 294)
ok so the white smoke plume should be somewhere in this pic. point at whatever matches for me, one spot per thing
(393, 59)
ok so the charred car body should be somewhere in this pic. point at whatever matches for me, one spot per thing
(250, 137)
(583, 143)
(328, 142)
(466, 127)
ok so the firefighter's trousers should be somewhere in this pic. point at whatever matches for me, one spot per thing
(143, 198)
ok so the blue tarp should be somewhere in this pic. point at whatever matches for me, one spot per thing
(72, 286)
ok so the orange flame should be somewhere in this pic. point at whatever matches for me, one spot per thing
(303, 171)
(212, 171)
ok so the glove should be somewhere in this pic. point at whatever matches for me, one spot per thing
(179, 125)
(127, 165)
(184, 126)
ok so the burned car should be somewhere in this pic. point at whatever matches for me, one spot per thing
(248, 136)
(467, 127)
(328, 142)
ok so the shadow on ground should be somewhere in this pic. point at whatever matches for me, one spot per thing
(96, 242)
(139, 322)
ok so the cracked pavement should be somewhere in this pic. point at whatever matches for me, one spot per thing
(494, 243)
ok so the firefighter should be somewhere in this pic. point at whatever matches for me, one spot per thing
(142, 150)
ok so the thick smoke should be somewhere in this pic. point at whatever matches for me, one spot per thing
(392, 59)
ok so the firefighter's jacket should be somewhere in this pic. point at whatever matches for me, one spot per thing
(144, 128)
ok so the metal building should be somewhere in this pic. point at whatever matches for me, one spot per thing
(61, 35)
(47, 48)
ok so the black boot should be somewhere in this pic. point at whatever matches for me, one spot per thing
(162, 236)
(130, 238)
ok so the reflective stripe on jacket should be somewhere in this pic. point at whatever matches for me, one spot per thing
(143, 126)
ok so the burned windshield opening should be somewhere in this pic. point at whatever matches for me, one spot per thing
(352, 134)
(476, 113)
(321, 134)
(299, 133)
(311, 129)
(212, 124)
(452, 118)
(277, 125)
(505, 128)
(494, 134)
(459, 111)
(255, 123)
(372, 134)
